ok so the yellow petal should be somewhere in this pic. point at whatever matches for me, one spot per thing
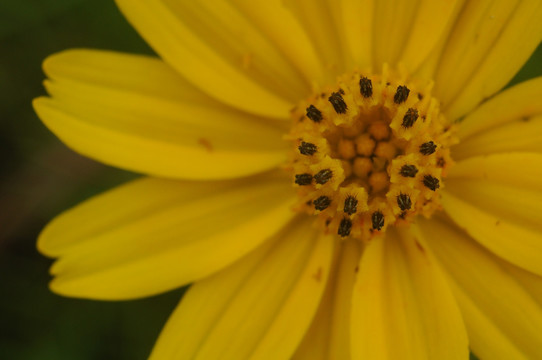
(259, 308)
(488, 45)
(392, 21)
(515, 103)
(514, 240)
(402, 306)
(154, 235)
(329, 334)
(497, 300)
(356, 22)
(317, 19)
(430, 22)
(515, 169)
(280, 26)
(217, 49)
(524, 135)
(136, 113)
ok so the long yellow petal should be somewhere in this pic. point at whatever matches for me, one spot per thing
(259, 308)
(507, 237)
(356, 21)
(489, 44)
(516, 169)
(153, 235)
(501, 304)
(216, 48)
(429, 25)
(329, 334)
(522, 135)
(279, 25)
(511, 105)
(402, 306)
(136, 113)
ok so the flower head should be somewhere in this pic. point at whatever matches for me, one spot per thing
(339, 179)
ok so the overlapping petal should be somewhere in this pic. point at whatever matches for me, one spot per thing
(329, 334)
(219, 50)
(402, 306)
(136, 113)
(259, 308)
(153, 235)
(501, 304)
(489, 43)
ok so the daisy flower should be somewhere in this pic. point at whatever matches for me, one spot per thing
(339, 179)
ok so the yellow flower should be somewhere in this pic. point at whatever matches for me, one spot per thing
(376, 100)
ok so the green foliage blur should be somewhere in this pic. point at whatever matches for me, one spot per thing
(40, 178)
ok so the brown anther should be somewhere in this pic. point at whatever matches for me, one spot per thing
(428, 148)
(314, 114)
(322, 203)
(366, 87)
(323, 176)
(338, 103)
(344, 227)
(303, 179)
(431, 182)
(408, 171)
(350, 205)
(307, 148)
(401, 95)
(404, 202)
(378, 220)
(410, 117)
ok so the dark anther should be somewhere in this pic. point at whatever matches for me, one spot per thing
(314, 114)
(431, 182)
(303, 179)
(403, 200)
(408, 171)
(401, 95)
(428, 148)
(321, 203)
(350, 205)
(338, 103)
(344, 227)
(307, 148)
(365, 87)
(410, 117)
(323, 176)
(378, 220)
(441, 162)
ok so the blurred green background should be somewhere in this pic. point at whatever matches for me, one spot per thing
(40, 177)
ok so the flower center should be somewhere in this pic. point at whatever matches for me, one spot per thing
(369, 152)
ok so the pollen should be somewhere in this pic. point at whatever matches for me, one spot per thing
(369, 153)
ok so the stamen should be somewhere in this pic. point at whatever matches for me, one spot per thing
(322, 203)
(307, 148)
(410, 117)
(314, 114)
(323, 176)
(431, 182)
(345, 227)
(408, 171)
(350, 205)
(428, 148)
(404, 202)
(378, 220)
(365, 87)
(360, 160)
(303, 179)
(401, 95)
(338, 103)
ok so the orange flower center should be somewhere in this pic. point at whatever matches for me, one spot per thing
(369, 152)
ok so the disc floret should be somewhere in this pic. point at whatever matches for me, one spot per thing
(369, 152)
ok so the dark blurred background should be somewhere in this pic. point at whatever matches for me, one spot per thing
(40, 177)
